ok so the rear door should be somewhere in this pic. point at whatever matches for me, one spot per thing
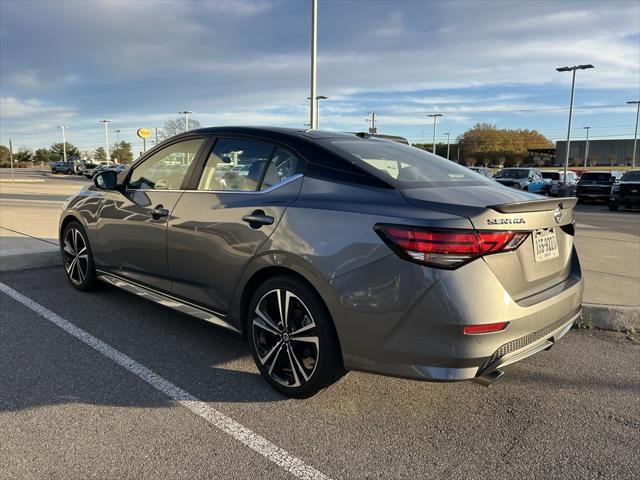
(132, 225)
(227, 214)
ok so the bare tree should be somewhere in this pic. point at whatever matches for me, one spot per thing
(175, 126)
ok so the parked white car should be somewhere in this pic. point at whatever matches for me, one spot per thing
(557, 182)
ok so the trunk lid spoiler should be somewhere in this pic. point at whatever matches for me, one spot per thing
(535, 205)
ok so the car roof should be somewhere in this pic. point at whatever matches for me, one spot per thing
(292, 133)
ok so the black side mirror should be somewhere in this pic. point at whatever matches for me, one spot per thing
(107, 180)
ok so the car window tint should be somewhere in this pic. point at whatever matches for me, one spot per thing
(632, 176)
(166, 169)
(235, 164)
(283, 166)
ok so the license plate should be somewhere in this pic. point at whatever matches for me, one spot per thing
(545, 244)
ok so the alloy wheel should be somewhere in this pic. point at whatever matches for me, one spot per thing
(285, 337)
(76, 256)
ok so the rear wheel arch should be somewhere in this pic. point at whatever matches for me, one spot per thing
(266, 273)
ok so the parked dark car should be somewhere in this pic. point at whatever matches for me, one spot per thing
(626, 192)
(596, 185)
(335, 251)
(527, 179)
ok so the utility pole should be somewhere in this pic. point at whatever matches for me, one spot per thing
(573, 87)
(435, 118)
(635, 136)
(314, 54)
(156, 135)
(448, 144)
(64, 143)
(11, 158)
(106, 139)
(373, 129)
(118, 143)
(586, 148)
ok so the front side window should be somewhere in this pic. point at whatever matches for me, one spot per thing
(235, 164)
(166, 169)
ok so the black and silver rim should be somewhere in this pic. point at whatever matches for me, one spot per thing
(76, 256)
(285, 338)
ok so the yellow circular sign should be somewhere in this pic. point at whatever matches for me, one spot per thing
(144, 132)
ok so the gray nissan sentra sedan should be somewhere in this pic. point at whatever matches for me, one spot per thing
(332, 252)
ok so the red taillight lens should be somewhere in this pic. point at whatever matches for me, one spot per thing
(485, 328)
(446, 248)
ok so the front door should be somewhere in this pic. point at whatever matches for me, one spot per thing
(215, 230)
(132, 225)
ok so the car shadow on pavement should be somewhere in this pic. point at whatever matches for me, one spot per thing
(43, 365)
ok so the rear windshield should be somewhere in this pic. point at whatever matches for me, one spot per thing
(513, 173)
(631, 176)
(409, 167)
(596, 176)
(551, 175)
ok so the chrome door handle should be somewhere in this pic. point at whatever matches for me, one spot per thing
(257, 219)
(159, 212)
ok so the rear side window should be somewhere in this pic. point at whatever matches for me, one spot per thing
(410, 167)
(235, 165)
(551, 175)
(282, 167)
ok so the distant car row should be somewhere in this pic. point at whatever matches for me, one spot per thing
(78, 167)
(612, 186)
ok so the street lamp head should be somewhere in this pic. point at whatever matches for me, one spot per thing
(321, 97)
(586, 128)
(186, 112)
(434, 115)
(634, 102)
(575, 67)
(105, 121)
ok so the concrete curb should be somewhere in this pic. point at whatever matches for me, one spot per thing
(11, 263)
(620, 318)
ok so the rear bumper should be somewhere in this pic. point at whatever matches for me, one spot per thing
(622, 199)
(411, 324)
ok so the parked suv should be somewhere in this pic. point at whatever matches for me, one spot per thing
(596, 185)
(528, 179)
(62, 167)
(557, 184)
(626, 192)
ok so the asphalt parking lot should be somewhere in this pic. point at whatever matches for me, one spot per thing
(68, 409)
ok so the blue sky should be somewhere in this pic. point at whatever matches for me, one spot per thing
(247, 62)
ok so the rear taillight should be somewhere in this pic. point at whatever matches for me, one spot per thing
(446, 248)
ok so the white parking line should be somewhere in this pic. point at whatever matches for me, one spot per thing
(229, 426)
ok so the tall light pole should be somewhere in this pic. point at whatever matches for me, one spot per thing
(106, 139)
(64, 143)
(448, 144)
(117, 130)
(435, 118)
(586, 147)
(314, 53)
(186, 114)
(573, 87)
(635, 136)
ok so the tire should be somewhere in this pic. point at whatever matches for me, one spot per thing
(53, 171)
(68, 172)
(295, 368)
(613, 208)
(77, 258)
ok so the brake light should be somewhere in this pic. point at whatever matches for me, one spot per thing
(446, 248)
(485, 328)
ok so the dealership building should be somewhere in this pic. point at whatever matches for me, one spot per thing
(601, 152)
